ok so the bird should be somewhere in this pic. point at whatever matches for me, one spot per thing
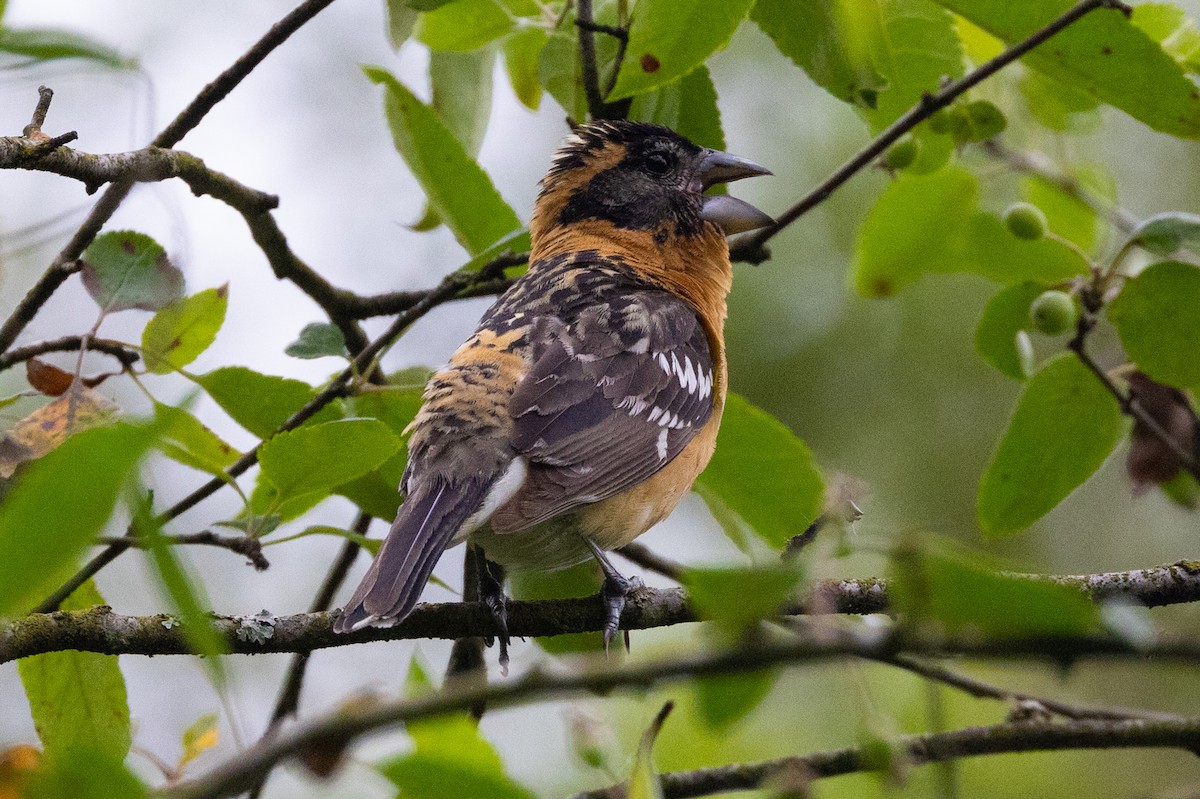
(588, 399)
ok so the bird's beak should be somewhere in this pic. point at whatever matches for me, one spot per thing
(715, 167)
(729, 213)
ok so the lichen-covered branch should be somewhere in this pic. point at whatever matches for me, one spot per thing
(920, 750)
(101, 630)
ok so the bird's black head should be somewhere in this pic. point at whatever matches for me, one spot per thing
(643, 177)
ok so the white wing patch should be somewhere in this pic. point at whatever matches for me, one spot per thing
(662, 445)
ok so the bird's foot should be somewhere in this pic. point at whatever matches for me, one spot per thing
(491, 593)
(613, 593)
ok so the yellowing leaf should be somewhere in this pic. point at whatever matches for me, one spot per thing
(198, 739)
(49, 426)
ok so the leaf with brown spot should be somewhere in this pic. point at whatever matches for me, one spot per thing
(51, 425)
(47, 378)
(124, 269)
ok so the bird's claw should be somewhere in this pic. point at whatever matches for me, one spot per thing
(491, 593)
(613, 593)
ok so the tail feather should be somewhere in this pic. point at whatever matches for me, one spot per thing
(424, 527)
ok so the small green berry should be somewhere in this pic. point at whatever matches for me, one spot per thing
(1025, 221)
(1053, 312)
(902, 153)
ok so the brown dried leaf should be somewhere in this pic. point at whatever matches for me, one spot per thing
(1151, 461)
(51, 425)
(47, 378)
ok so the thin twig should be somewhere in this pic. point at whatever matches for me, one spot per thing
(750, 247)
(60, 268)
(116, 349)
(1041, 167)
(245, 545)
(1127, 401)
(920, 750)
(587, 60)
(651, 561)
(45, 96)
(982, 690)
(342, 727)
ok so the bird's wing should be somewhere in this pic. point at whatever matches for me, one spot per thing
(614, 392)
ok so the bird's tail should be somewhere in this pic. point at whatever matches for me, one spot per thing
(424, 527)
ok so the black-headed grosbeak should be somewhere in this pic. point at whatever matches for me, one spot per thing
(588, 399)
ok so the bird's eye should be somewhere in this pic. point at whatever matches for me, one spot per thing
(658, 164)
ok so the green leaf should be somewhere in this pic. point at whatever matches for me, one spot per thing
(320, 457)
(728, 698)
(1102, 54)
(318, 340)
(928, 223)
(515, 242)
(457, 188)
(1170, 27)
(85, 773)
(687, 105)
(1163, 234)
(179, 332)
(401, 17)
(78, 698)
(377, 492)
(1068, 216)
(451, 757)
(739, 597)
(1065, 425)
(644, 782)
(914, 46)
(578, 581)
(828, 40)
(752, 443)
(1157, 317)
(1058, 106)
(261, 403)
(917, 225)
(462, 94)
(186, 593)
(1004, 317)
(463, 25)
(124, 270)
(37, 509)
(991, 250)
(670, 38)
(559, 74)
(50, 44)
(522, 52)
(186, 440)
(966, 597)
(369, 544)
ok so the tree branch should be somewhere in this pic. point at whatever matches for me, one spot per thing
(101, 630)
(68, 344)
(920, 750)
(244, 545)
(62, 265)
(1023, 701)
(339, 729)
(751, 246)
